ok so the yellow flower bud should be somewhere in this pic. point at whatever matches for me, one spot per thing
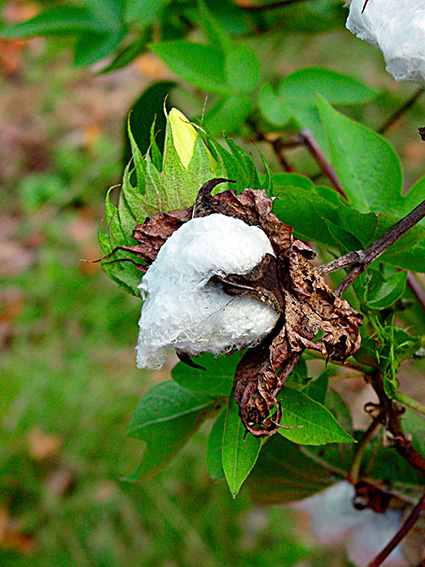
(184, 138)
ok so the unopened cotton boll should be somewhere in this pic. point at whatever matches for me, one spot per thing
(186, 311)
(397, 28)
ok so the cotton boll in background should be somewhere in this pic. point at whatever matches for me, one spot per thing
(372, 535)
(363, 532)
(332, 512)
(397, 28)
(184, 310)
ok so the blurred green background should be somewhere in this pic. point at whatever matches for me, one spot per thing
(69, 383)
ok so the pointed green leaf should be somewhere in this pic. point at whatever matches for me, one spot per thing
(166, 417)
(366, 164)
(57, 20)
(215, 448)
(239, 456)
(200, 65)
(303, 86)
(313, 423)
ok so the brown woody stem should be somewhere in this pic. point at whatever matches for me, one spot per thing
(360, 259)
(309, 141)
(400, 111)
(404, 529)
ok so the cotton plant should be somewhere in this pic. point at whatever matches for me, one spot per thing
(397, 28)
(202, 240)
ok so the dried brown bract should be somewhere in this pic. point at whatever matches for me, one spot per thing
(287, 282)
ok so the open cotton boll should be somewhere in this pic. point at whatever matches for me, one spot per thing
(372, 535)
(332, 512)
(184, 310)
(364, 532)
(397, 28)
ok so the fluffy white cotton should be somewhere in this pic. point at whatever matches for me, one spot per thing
(397, 28)
(332, 512)
(364, 532)
(372, 535)
(184, 310)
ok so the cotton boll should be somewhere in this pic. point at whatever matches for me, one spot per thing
(332, 512)
(184, 310)
(397, 28)
(372, 535)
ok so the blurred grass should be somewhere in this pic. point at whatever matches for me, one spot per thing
(69, 383)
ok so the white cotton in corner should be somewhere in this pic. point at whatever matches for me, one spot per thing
(184, 310)
(371, 536)
(397, 28)
(332, 512)
(363, 532)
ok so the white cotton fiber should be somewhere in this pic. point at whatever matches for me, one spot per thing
(184, 310)
(397, 28)
(363, 532)
(332, 512)
(371, 536)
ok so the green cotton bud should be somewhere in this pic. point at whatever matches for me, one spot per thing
(184, 137)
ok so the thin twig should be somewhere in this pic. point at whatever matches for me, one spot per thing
(268, 7)
(309, 141)
(354, 473)
(402, 532)
(277, 145)
(400, 111)
(360, 259)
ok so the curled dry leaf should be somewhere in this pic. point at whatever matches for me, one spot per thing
(287, 282)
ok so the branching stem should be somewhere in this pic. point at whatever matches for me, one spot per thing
(361, 259)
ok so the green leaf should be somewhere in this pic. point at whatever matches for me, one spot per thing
(272, 107)
(213, 30)
(303, 86)
(239, 456)
(313, 423)
(383, 289)
(128, 53)
(200, 65)
(366, 164)
(166, 417)
(215, 448)
(283, 180)
(92, 46)
(318, 388)
(144, 11)
(58, 20)
(227, 114)
(216, 380)
(147, 109)
(242, 69)
(284, 474)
